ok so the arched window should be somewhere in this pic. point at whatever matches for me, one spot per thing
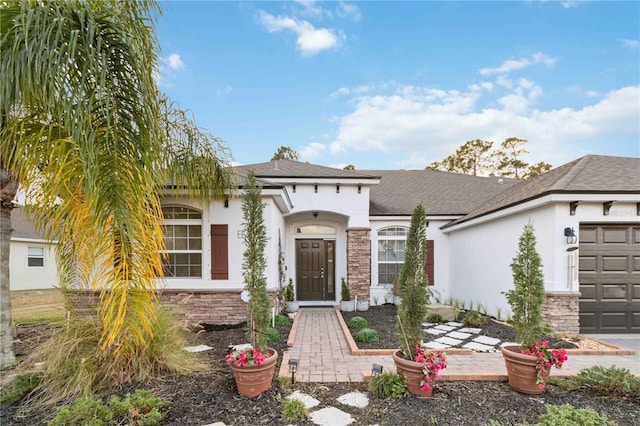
(391, 246)
(182, 232)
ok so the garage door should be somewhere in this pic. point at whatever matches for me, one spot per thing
(610, 278)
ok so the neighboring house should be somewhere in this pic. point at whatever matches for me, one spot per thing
(32, 259)
(325, 224)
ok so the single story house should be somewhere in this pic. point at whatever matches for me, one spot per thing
(326, 224)
(32, 258)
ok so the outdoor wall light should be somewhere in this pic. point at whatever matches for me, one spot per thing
(570, 234)
(376, 369)
(293, 367)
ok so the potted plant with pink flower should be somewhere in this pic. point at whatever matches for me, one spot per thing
(529, 365)
(254, 365)
(418, 366)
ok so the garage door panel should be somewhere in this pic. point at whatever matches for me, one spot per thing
(609, 266)
(614, 235)
(614, 291)
(615, 264)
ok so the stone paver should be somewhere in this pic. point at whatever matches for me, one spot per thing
(486, 340)
(454, 324)
(331, 416)
(444, 327)
(436, 345)
(471, 330)
(307, 400)
(354, 399)
(459, 335)
(448, 341)
(435, 331)
(475, 346)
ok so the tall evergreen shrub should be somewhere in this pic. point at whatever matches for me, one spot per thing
(254, 264)
(528, 294)
(413, 282)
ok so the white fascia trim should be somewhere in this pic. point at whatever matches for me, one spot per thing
(408, 217)
(540, 202)
(280, 197)
(329, 181)
(34, 240)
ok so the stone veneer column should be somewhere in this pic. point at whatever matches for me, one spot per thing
(561, 311)
(359, 262)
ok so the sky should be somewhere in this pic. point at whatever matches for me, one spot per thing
(390, 85)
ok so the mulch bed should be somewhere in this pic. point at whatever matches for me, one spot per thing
(211, 396)
(382, 318)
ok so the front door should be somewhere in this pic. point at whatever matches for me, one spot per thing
(315, 270)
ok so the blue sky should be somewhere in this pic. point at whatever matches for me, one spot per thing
(387, 85)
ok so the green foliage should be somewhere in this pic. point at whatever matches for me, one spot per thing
(140, 409)
(528, 295)
(388, 385)
(254, 264)
(281, 320)
(288, 291)
(612, 381)
(285, 153)
(273, 335)
(358, 322)
(474, 319)
(413, 285)
(82, 369)
(346, 294)
(434, 318)
(567, 415)
(21, 386)
(367, 335)
(294, 410)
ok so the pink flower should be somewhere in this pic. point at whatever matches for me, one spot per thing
(432, 363)
(244, 357)
(545, 359)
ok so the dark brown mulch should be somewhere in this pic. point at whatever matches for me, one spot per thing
(210, 396)
(382, 318)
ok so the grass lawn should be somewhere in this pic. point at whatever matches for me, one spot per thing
(37, 306)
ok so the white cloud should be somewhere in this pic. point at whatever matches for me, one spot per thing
(358, 90)
(310, 40)
(517, 64)
(312, 152)
(424, 124)
(631, 44)
(349, 11)
(175, 62)
(225, 90)
(569, 4)
(311, 9)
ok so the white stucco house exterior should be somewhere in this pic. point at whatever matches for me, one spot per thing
(326, 224)
(32, 258)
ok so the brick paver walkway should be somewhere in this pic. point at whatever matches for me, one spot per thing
(324, 355)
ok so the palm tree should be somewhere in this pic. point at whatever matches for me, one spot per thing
(85, 132)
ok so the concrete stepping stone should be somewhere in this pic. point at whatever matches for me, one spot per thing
(444, 327)
(486, 340)
(331, 416)
(475, 346)
(454, 324)
(307, 400)
(435, 345)
(471, 330)
(199, 348)
(434, 331)
(354, 399)
(427, 324)
(448, 341)
(459, 335)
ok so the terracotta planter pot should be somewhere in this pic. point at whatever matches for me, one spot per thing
(411, 372)
(252, 380)
(521, 371)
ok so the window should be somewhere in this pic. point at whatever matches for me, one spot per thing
(35, 256)
(391, 246)
(182, 231)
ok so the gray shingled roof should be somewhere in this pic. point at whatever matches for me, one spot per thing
(296, 169)
(21, 226)
(441, 193)
(591, 174)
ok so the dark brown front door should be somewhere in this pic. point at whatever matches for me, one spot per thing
(314, 270)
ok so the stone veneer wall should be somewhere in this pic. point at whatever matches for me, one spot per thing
(561, 311)
(359, 262)
(217, 307)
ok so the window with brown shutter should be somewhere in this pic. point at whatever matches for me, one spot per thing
(219, 252)
(429, 263)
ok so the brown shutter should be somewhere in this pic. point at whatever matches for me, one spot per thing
(219, 252)
(428, 265)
